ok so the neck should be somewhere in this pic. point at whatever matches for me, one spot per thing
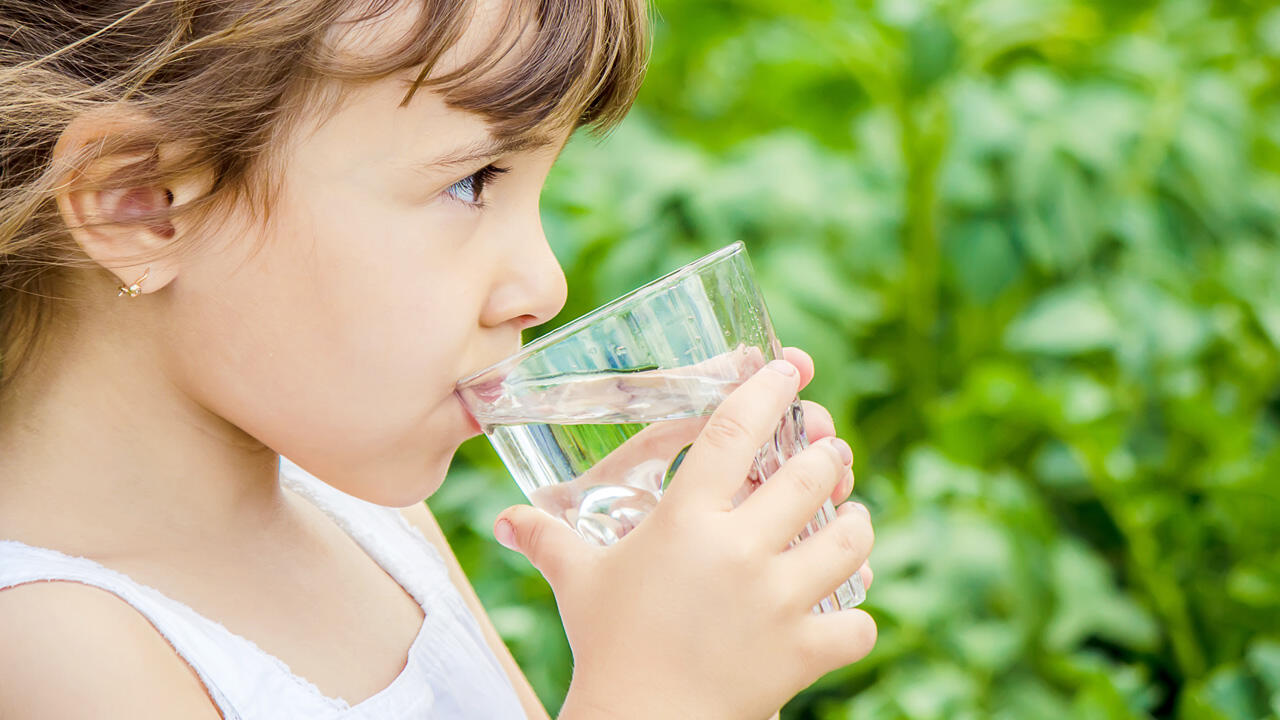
(100, 454)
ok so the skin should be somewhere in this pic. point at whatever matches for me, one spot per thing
(333, 333)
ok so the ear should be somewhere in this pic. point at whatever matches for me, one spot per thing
(121, 225)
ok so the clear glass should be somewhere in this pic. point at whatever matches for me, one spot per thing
(594, 418)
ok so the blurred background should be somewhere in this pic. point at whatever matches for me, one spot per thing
(1034, 249)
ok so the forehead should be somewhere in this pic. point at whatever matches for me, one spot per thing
(488, 58)
(372, 142)
(463, 32)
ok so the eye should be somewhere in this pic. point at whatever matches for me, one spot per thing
(470, 189)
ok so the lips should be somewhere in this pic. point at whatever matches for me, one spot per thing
(484, 392)
(488, 391)
(472, 424)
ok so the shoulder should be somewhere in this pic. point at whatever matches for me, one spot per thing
(70, 650)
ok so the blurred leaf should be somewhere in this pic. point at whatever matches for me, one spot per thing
(1228, 694)
(983, 259)
(1264, 658)
(1269, 32)
(1067, 321)
(1089, 604)
(815, 283)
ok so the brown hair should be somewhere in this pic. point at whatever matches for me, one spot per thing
(221, 79)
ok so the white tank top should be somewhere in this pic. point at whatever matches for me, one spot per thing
(451, 672)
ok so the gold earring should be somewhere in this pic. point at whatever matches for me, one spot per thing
(135, 289)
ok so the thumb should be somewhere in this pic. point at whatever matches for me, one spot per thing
(544, 540)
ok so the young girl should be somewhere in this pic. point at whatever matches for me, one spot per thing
(232, 230)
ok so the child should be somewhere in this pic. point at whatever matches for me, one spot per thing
(232, 230)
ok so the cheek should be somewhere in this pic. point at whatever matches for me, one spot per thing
(337, 345)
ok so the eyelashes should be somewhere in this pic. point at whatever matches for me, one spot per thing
(470, 189)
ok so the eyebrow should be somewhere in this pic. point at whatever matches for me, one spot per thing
(485, 149)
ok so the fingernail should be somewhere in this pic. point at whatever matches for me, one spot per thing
(861, 507)
(784, 367)
(843, 449)
(505, 534)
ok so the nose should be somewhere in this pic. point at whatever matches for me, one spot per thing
(530, 287)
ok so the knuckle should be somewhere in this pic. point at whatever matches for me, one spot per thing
(866, 532)
(854, 534)
(725, 431)
(851, 540)
(532, 541)
(815, 471)
(740, 554)
(809, 481)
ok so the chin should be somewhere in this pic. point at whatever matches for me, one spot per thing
(405, 473)
(411, 487)
(398, 482)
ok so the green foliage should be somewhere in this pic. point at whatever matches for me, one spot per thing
(1034, 249)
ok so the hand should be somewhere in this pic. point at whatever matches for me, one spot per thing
(701, 611)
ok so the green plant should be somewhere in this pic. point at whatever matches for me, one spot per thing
(1034, 248)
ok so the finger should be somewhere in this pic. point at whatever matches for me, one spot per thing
(781, 507)
(833, 640)
(717, 464)
(802, 361)
(855, 507)
(842, 491)
(843, 488)
(868, 577)
(818, 423)
(545, 540)
(661, 442)
(830, 556)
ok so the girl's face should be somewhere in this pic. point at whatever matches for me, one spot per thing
(404, 251)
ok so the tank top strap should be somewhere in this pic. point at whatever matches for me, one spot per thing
(466, 677)
(383, 533)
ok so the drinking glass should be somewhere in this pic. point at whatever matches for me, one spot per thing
(594, 418)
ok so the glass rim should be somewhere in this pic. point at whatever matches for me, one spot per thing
(641, 293)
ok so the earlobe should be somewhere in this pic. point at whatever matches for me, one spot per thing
(113, 203)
